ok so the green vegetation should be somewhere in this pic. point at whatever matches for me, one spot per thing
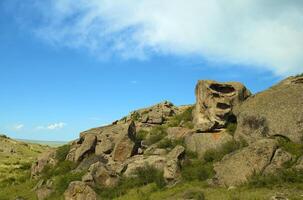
(214, 155)
(194, 195)
(62, 152)
(280, 178)
(295, 149)
(197, 170)
(156, 134)
(142, 177)
(167, 143)
(135, 116)
(184, 118)
(231, 128)
(141, 135)
(299, 75)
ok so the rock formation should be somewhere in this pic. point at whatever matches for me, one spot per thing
(215, 102)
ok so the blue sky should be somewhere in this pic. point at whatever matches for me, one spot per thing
(74, 67)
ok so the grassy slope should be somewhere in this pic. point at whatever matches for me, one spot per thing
(41, 142)
(149, 192)
(16, 159)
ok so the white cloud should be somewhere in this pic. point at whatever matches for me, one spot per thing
(252, 32)
(18, 127)
(53, 126)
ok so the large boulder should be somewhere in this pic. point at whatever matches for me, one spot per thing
(277, 111)
(45, 159)
(99, 174)
(88, 144)
(177, 133)
(215, 102)
(78, 190)
(237, 168)
(201, 142)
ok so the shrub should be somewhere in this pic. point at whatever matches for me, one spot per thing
(185, 117)
(142, 176)
(135, 116)
(231, 128)
(157, 133)
(141, 135)
(213, 155)
(61, 182)
(295, 149)
(62, 152)
(60, 169)
(169, 143)
(25, 166)
(197, 170)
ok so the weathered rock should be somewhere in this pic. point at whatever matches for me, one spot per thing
(78, 190)
(215, 102)
(274, 112)
(104, 145)
(43, 193)
(177, 133)
(45, 159)
(140, 161)
(88, 144)
(280, 157)
(123, 149)
(156, 114)
(236, 168)
(172, 167)
(99, 174)
(201, 142)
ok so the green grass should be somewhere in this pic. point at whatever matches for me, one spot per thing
(214, 155)
(296, 149)
(62, 152)
(167, 143)
(156, 134)
(142, 177)
(150, 192)
(185, 118)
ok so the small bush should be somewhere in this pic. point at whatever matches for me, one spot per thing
(156, 134)
(60, 169)
(135, 116)
(169, 143)
(141, 135)
(61, 182)
(185, 117)
(25, 166)
(142, 176)
(197, 170)
(231, 128)
(62, 152)
(214, 155)
(295, 149)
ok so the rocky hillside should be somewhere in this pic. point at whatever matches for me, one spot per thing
(228, 142)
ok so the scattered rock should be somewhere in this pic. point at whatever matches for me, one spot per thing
(78, 190)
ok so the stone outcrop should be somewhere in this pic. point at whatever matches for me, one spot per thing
(235, 169)
(215, 102)
(45, 159)
(88, 145)
(154, 115)
(78, 190)
(201, 142)
(99, 174)
(277, 111)
(177, 133)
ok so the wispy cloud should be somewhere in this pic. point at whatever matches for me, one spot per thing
(18, 127)
(251, 32)
(53, 126)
